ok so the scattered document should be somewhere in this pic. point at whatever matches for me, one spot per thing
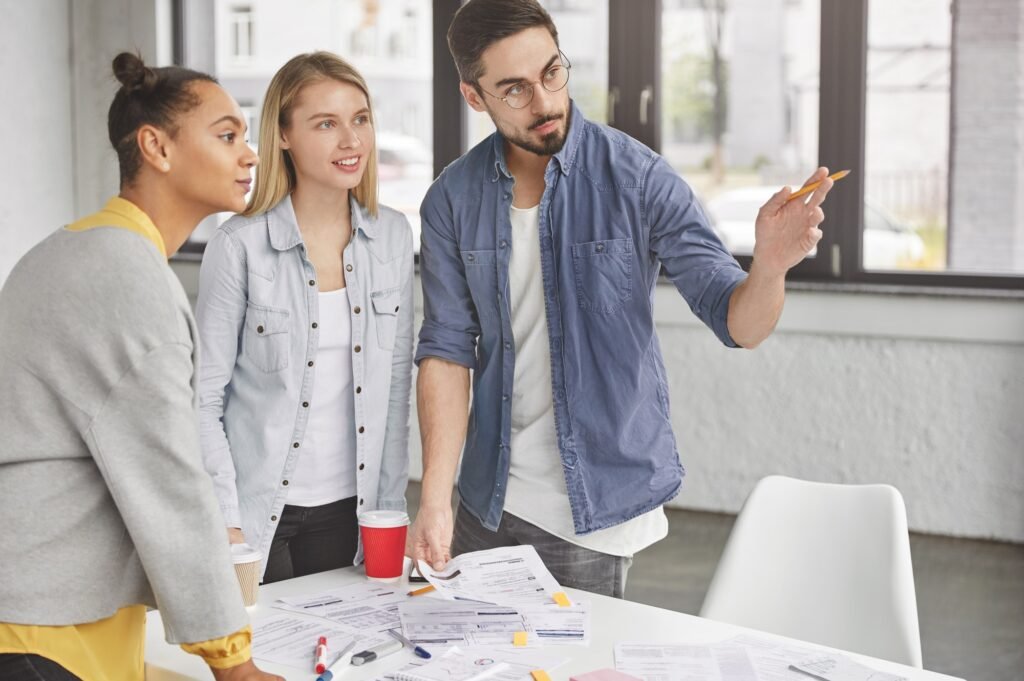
(747, 657)
(558, 625)
(470, 664)
(772, 657)
(453, 665)
(290, 640)
(512, 575)
(437, 622)
(681, 662)
(366, 607)
(834, 667)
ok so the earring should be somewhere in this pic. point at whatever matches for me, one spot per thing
(166, 166)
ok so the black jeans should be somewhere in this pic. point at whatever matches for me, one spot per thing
(571, 565)
(21, 667)
(313, 539)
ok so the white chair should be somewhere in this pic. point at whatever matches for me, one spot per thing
(821, 562)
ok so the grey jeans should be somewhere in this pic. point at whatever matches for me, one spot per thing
(572, 565)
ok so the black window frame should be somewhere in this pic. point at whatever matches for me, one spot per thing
(841, 126)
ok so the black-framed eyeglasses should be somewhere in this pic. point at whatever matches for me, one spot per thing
(520, 94)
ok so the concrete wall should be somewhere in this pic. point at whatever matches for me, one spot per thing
(36, 185)
(57, 87)
(987, 181)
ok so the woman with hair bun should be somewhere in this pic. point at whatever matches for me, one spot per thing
(107, 509)
(305, 312)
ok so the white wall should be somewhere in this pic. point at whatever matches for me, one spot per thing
(36, 187)
(57, 86)
(921, 392)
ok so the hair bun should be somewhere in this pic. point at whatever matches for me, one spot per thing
(133, 74)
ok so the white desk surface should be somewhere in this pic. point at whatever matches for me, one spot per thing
(612, 621)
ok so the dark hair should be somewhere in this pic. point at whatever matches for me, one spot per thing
(480, 23)
(147, 97)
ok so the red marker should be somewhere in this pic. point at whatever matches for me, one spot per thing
(321, 655)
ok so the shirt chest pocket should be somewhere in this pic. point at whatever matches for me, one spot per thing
(482, 276)
(265, 341)
(385, 316)
(604, 274)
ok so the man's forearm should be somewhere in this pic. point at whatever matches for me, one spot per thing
(442, 400)
(755, 306)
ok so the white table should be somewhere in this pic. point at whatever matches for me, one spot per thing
(612, 621)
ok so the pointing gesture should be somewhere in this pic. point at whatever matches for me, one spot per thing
(786, 231)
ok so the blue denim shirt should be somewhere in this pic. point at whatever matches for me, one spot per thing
(612, 214)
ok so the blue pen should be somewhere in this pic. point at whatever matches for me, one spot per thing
(420, 652)
(339, 664)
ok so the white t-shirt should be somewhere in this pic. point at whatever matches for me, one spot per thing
(536, 484)
(326, 469)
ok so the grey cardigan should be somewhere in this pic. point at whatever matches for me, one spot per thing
(103, 497)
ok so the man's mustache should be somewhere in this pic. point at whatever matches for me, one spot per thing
(546, 119)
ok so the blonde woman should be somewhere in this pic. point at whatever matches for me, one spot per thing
(305, 315)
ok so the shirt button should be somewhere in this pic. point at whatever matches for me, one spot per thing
(362, 466)
(259, 329)
(358, 348)
(508, 346)
(295, 445)
(359, 389)
(507, 195)
(361, 502)
(285, 483)
(600, 247)
(314, 325)
(504, 244)
(305, 404)
(312, 283)
(504, 398)
(362, 429)
(273, 518)
(309, 363)
(396, 308)
(348, 268)
(357, 309)
(471, 257)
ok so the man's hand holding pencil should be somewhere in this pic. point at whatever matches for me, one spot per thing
(787, 230)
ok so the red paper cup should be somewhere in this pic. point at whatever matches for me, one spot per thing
(383, 535)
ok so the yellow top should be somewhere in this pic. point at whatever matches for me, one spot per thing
(113, 648)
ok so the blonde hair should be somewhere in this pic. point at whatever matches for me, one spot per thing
(275, 175)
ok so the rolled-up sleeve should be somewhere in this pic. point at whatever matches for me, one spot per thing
(693, 257)
(450, 324)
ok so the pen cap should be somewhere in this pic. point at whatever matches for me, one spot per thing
(383, 534)
(247, 568)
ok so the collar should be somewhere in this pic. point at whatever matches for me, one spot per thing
(564, 159)
(119, 212)
(284, 227)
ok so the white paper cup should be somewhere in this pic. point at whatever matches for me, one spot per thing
(247, 568)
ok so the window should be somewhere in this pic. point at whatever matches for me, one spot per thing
(739, 107)
(390, 43)
(241, 33)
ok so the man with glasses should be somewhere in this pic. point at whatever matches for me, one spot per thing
(540, 251)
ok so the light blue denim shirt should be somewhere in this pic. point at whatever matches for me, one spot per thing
(257, 305)
(613, 213)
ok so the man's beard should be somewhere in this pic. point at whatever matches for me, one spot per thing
(549, 145)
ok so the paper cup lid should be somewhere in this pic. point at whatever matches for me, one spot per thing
(383, 518)
(243, 553)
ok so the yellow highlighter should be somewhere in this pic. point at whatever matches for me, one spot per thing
(803, 191)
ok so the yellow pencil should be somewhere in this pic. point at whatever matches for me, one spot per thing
(424, 590)
(835, 177)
